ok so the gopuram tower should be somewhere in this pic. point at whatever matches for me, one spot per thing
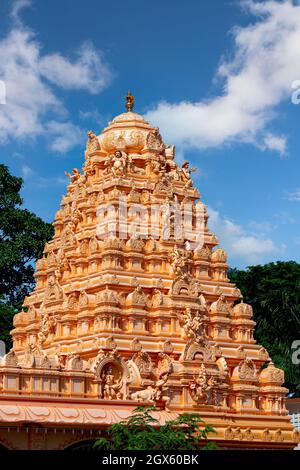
(133, 306)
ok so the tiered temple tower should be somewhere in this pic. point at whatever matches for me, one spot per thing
(127, 311)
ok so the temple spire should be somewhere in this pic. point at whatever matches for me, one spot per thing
(129, 102)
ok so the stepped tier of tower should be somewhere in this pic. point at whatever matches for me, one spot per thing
(125, 311)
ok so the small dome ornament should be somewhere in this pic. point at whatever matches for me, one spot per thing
(129, 102)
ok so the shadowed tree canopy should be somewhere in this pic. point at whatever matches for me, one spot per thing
(273, 290)
(22, 239)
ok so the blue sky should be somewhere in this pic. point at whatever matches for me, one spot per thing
(216, 76)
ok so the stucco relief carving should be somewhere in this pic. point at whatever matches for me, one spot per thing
(186, 172)
(131, 293)
(117, 163)
(108, 296)
(194, 323)
(154, 140)
(195, 352)
(157, 298)
(164, 187)
(185, 286)
(111, 383)
(83, 300)
(74, 176)
(135, 244)
(115, 140)
(246, 370)
(10, 359)
(53, 290)
(143, 362)
(203, 253)
(137, 297)
(202, 387)
(47, 327)
(158, 391)
(158, 168)
(272, 374)
(164, 366)
(148, 394)
(180, 261)
(93, 143)
(112, 374)
(74, 362)
(220, 306)
(223, 367)
(68, 238)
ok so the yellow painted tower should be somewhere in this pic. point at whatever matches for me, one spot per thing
(133, 306)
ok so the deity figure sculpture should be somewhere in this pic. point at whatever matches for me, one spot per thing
(194, 325)
(117, 163)
(168, 220)
(92, 143)
(173, 170)
(74, 176)
(188, 319)
(53, 290)
(47, 326)
(62, 262)
(198, 326)
(186, 172)
(180, 260)
(158, 165)
(202, 387)
(76, 216)
(110, 385)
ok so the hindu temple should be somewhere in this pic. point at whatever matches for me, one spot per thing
(129, 309)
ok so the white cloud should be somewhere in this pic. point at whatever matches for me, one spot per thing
(63, 136)
(16, 8)
(87, 72)
(276, 143)
(32, 177)
(294, 196)
(258, 77)
(26, 172)
(261, 227)
(93, 115)
(32, 106)
(241, 242)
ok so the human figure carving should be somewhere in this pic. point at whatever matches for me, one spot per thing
(202, 386)
(186, 172)
(111, 386)
(180, 260)
(92, 143)
(47, 326)
(117, 163)
(194, 326)
(74, 176)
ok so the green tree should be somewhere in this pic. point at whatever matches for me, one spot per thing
(141, 431)
(22, 239)
(273, 290)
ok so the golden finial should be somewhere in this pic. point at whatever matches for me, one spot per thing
(129, 102)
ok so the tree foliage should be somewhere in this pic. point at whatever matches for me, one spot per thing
(22, 239)
(141, 431)
(273, 290)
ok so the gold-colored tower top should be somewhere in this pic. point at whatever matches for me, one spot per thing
(129, 102)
